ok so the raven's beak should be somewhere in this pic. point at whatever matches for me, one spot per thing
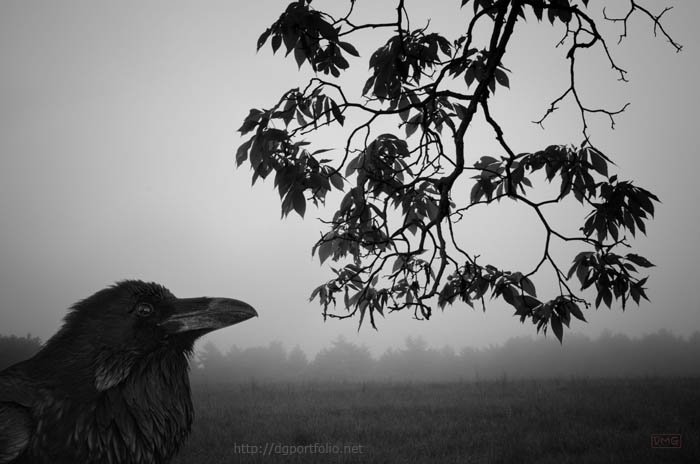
(206, 314)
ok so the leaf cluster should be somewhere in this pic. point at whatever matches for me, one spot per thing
(392, 233)
(402, 61)
(612, 275)
(298, 172)
(312, 38)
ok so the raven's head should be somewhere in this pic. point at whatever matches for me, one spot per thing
(141, 316)
(133, 320)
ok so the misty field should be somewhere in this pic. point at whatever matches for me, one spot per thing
(519, 421)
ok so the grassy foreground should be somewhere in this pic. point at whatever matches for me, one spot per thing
(518, 421)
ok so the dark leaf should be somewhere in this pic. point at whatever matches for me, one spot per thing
(299, 56)
(325, 250)
(582, 255)
(512, 298)
(444, 45)
(263, 38)
(250, 121)
(348, 47)
(326, 29)
(528, 286)
(276, 42)
(412, 125)
(256, 156)
(485, 161)
(639, 260)
(320, 151)
(640, 224)
(353, 165)
(576, 311)
(598, 299)
(469, 76)
(564, 314)
(634, 293)
(502, 78)
(315, 292)
(298, 202)
(460, 110)
(644, 199)
(555, 323)
(290, 40)
(598, 162)
(337, 180)
(340, 62)
(300, 119)
(368, 85)
(530, 302)
(398, 263)
(582, 272)
(242, 152)
(607, 297)
(476, 192)
(337, 113)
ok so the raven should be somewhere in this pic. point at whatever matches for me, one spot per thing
(111, 386)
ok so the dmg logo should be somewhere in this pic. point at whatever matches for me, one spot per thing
(666, 440)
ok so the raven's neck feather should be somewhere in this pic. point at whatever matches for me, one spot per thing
(141, 419)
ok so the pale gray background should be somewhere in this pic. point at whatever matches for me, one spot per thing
(117, 141)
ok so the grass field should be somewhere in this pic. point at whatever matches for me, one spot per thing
(518, 421)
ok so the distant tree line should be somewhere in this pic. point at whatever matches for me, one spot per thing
(658, 354)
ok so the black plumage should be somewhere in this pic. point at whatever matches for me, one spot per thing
(111, 386)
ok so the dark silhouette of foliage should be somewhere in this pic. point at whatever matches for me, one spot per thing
(393, 231)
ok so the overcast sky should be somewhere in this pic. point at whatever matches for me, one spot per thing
(117, 138)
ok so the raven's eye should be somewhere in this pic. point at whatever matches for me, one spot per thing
(144, 310)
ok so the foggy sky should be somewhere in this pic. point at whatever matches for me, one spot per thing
(117, 138)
